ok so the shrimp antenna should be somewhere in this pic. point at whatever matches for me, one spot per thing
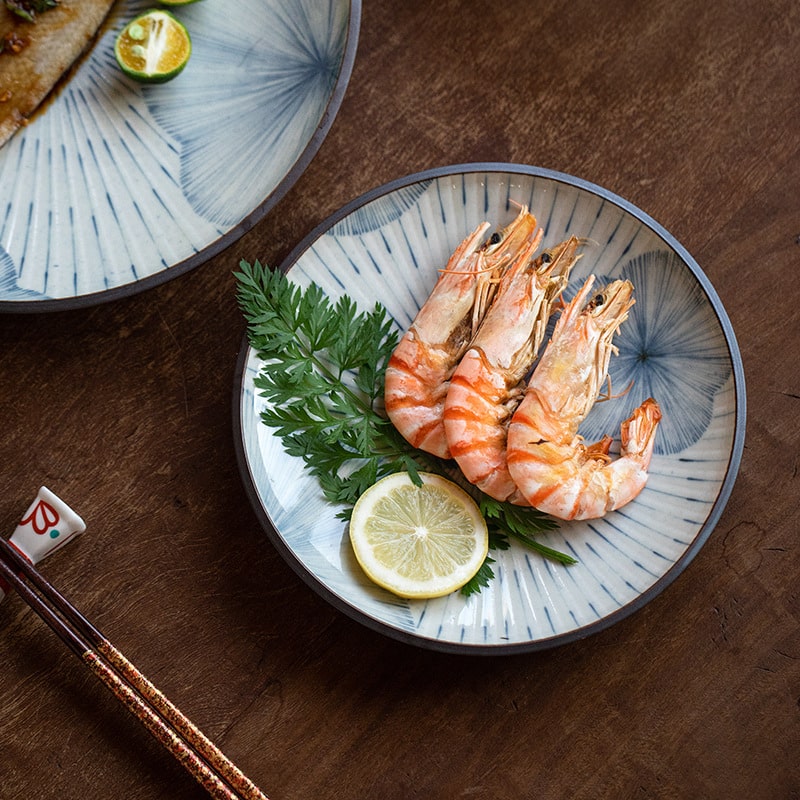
(445, 270)
(609, 395)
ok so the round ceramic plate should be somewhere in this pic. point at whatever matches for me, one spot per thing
(677, 345)
(116, 186)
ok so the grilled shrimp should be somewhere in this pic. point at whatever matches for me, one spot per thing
(419, 369)
(488, 383)
(551, 465)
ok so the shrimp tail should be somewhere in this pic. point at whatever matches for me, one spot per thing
(638, 432)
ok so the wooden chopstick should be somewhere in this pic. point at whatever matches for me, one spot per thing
(221, 778)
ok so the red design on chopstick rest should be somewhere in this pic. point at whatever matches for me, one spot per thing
(42, 518)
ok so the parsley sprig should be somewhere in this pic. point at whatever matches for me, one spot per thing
(322, 373)
(28, 9)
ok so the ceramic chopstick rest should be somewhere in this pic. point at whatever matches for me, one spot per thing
(47, 525)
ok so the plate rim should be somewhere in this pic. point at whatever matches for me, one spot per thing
(557, 640)
(231, 236)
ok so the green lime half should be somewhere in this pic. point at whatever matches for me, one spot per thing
(177, 2)
(153, 48)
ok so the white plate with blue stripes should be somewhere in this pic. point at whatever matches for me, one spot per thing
(677, 345)
(116, 186)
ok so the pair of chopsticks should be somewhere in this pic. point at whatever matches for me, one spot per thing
(221, 778)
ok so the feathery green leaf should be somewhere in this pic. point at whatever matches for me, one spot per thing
(322, 376)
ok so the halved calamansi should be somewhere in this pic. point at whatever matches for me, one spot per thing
(154, 47)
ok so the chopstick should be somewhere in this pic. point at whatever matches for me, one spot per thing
(220, 777)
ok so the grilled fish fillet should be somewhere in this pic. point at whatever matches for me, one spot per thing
(47, 49)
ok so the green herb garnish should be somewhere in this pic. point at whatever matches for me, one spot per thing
(322, 376)
(28, 9)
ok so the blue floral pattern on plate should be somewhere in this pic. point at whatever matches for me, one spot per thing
(669, 349)
(119, 186)
(677, 345)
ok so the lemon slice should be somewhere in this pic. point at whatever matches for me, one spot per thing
(153, 48)
(418, 541)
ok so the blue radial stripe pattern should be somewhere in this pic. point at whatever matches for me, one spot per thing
(677, 346)
(117, 182)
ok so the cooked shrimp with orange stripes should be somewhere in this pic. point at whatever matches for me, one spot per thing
(419, 370)
(488, 383)
(456, 383)
(551, 465)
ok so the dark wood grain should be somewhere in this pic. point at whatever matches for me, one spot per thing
(691, 110)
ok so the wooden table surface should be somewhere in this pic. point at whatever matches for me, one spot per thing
(690, 110)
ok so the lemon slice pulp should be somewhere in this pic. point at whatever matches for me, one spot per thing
(418, 541)
(154, 47)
